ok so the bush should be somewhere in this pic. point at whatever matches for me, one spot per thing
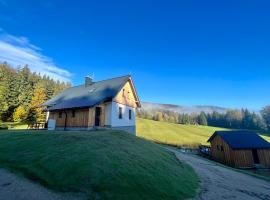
(3, 126)
(20, 114)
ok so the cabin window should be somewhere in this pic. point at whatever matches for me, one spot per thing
(123, 92)
(73, 113)
(221, 148)
(129, 114)
(120, 116)
(60, 114)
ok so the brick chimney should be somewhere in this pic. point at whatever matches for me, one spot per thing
(88, 81)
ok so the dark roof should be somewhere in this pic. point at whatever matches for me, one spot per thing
(82, 96)
(242, 139)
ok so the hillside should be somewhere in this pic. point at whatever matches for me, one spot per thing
(100, 164)
(182, 108)
(175, 134)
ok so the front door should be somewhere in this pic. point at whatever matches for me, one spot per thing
(255, 156)
(97, 116)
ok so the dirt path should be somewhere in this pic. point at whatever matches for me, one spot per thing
(13, 187)
(218, 182)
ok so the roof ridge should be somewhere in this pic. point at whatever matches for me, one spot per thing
(99, 81)
(113, 78)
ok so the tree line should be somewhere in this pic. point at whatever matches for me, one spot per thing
(234, 118)
(22, 92)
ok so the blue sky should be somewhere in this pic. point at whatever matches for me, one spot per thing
(181, 52)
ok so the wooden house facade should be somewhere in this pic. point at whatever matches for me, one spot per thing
(109, 103)
(240, 149)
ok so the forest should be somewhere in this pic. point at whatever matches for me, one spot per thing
(22, 93)
(232, 118)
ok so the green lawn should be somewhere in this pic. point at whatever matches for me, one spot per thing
(176, 134)
(99, 164)
(13, 125)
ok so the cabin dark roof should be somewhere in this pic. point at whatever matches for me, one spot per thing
(87, 96)
(242, 139)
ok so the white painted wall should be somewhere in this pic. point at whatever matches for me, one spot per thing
(125, 121)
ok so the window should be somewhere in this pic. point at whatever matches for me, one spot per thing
(60, 114)
(130, 114)
(123, 92)
(221, 148)
(120, 113)
(73, 113)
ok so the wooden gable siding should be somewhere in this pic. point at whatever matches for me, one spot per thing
(126, 96)
(224, 156)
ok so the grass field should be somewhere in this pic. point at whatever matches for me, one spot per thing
(176, 134)
(12, 125)
(100, 164)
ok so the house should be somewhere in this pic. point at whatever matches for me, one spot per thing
(241, 149)
(109, 103)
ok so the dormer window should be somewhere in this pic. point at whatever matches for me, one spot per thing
(92, 90)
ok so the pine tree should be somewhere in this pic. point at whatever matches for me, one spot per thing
(202, 120)
(265, 112)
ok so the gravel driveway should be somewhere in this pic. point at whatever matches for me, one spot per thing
(13, 187)
(218, 182)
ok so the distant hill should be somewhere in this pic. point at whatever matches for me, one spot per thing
(181, 108)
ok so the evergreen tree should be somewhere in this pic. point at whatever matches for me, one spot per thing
(202, 120)
(265, 112)
(17, 92)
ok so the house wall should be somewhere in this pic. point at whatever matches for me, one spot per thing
(80, 119)
(83, 117)
(92, 112)
(264, 156)
(126, 96)
(108, 114)
(243, 158)
(125, 121)
(226, 156)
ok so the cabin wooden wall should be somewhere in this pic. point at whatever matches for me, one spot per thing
(83, 117)
(224, 156)
(91, 113)
(264, 156)
(126, 96)
(240, 158)
(80, 119)
(243, 158)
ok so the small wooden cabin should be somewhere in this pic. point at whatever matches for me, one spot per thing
(108, 103)
(240, 149)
